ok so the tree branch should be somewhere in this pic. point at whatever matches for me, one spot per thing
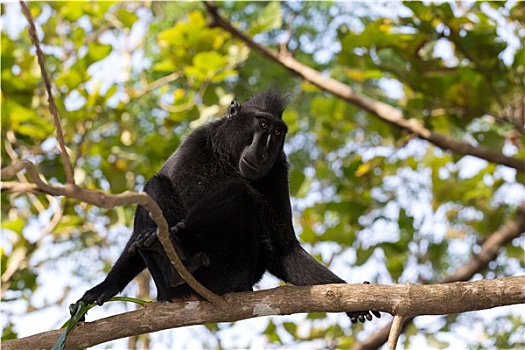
(380, 109)
(488, 252)
(395, 332)
(408, 300)
(101, 199)
(98, 198)
(68, 168)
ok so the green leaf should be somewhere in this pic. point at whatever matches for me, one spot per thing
(71, 11)
(271, 333)
(81, 311)
(316, 315)
(269, 18)
(515, 252)
(97, 52)
(15, 225)
(362, 256)
(25, 121)
(70, 79)
(164, 66)
(297, 178)
(290, 327)
(126, 18)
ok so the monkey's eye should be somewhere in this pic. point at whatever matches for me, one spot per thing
(263, 125)
(277, 132)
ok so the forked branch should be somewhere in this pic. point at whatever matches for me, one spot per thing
(101, 199)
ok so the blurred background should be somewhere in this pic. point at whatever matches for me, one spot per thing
(131, 79)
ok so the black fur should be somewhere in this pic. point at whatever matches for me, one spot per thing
(225, 194)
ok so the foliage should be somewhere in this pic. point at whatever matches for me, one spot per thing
(132, 79)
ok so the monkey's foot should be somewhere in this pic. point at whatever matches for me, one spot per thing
(362, 316)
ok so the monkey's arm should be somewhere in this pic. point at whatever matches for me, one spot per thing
(299, 268)
(124, 270)
(288, 260)
(131, 262)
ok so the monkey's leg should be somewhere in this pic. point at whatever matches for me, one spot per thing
(148, 240)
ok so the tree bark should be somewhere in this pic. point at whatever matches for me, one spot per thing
(405, 300)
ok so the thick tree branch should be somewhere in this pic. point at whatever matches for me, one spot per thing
(488, 252)
(382, 110)
(68, 168)
(101, 199)
(406, 300)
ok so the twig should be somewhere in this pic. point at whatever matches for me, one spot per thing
(289, 36)
(395, 331)
(52, 106)
(380, 109)
(10, 139)
(155, 84)
(101, 199)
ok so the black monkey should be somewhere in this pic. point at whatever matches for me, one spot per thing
(224, 193)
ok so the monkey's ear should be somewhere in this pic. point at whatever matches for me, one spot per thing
(234, 109)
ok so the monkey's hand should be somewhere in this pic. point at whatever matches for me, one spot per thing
(148, 239)
(362, 316)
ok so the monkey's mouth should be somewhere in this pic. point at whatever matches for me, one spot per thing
(249, 165)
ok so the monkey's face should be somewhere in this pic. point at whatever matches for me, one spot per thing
(266, 142)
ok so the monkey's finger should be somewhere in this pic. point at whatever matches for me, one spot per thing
(150, 239)
(138, 243)
(376, 313)
(73, 309)
(133, 248)
(368, 316)
(205, 260)
(181, 225)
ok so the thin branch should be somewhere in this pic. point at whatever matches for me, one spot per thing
(422, 300)
(52, 106)
(101, 199)
(395, 331)
(380, 109)
(22, 259)
(10, 140)
(488, 252)
(156, 84)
